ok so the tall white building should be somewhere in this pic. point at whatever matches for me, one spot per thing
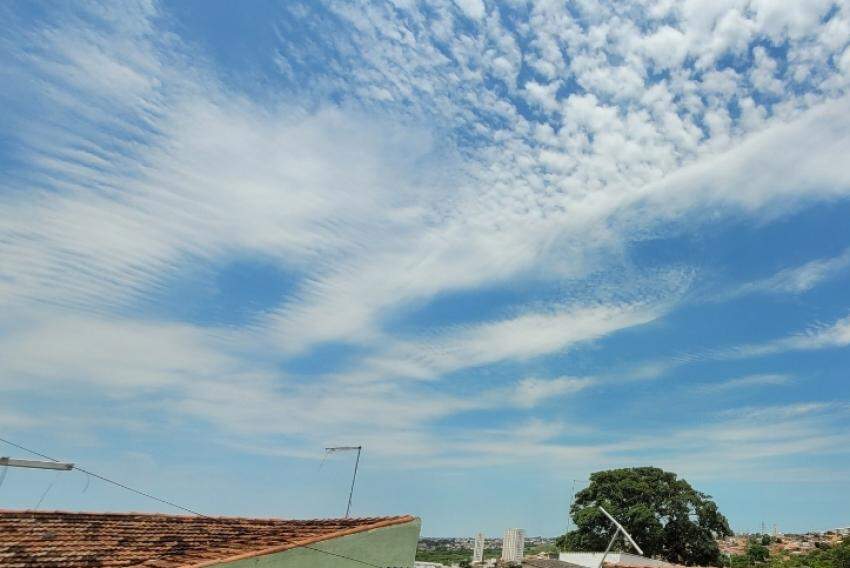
(513, 545)
(478, 548)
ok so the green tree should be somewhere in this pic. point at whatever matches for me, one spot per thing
(757, 552)
(665, 515)
(841, 554)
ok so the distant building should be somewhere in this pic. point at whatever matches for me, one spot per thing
(478, 548)
(513, 545)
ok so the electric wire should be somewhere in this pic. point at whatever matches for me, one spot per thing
(155, 498)
(107, 480)
(343, 556)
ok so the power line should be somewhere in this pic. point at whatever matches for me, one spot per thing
(343, 556)
(107, 480)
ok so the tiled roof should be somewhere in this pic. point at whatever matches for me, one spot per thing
(57, 539)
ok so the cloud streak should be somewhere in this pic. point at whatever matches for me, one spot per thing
(441, 151)
(797, 279)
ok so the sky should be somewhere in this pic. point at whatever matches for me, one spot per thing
(501, 246)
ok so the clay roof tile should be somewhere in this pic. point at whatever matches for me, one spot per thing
(57, 539)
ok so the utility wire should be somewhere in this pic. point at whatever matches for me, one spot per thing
(106, 479)
(343, 556)
(155, 498)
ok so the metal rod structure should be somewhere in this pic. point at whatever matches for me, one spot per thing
(359, 449)
(572, 500)
(607, 550)
(570, 510)
(620, 529)
(34, 464)
(353, 479)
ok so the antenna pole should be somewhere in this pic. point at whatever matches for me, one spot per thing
(607, 550)
(35, 464)
(353, 479)
(620, 529)
(570, 510)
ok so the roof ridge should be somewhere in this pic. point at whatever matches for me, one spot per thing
(386, 522)
(173, 541)
(198, 517)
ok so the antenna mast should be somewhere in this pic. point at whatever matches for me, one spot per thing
(35, 464)
(359, 449)
(619, 530)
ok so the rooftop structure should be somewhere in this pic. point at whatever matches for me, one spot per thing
(31, 539)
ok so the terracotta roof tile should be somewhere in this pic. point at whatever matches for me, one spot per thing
(58, 539)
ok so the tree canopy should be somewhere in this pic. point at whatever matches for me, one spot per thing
(665, 515)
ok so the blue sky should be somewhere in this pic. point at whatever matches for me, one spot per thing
(501, 246)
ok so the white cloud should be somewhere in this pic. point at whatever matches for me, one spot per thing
(821, 336)
(763, 73)
(667, 47)
(519, 338)
(543, 95)
(798, 279)
(147, 163)
(737, 444)
(532, 391)
(603, 155)
(471, 8)
(746, 440)
(393, 236)
(748, 381)
(108, 355)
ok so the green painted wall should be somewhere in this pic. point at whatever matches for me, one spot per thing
(388, 547)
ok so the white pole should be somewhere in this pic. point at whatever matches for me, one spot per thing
(622, 529)
(610, 544)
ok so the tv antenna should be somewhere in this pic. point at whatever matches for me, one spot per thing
(358, 449)
(7, 462)
(35, 464)
(572, 500)
(619, 530)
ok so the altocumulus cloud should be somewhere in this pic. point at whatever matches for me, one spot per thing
(409, 154)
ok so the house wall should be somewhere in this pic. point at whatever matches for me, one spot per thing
(387, 547)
